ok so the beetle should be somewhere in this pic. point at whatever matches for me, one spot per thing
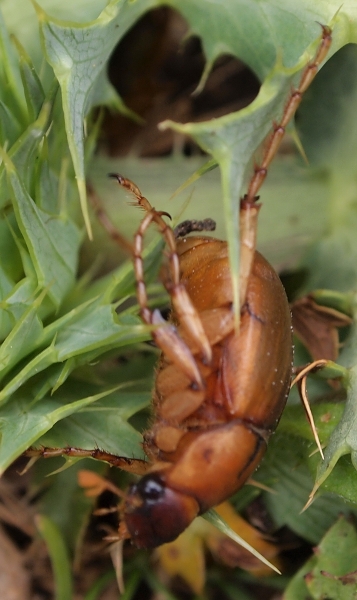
(218, 394)
(219, 391)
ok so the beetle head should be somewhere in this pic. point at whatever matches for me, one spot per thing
(155, 514)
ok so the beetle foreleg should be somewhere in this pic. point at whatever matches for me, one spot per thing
(175, 349)
(131, 465)
(184, 308)
(105, 221)
(190, 321)
(217, 324)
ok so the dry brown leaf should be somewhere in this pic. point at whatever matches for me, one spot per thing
(316, 326)
(14, 578)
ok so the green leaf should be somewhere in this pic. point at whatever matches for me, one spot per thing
(78, 55)
(90, 337)
(23, 337)
(233, 139)
(333, 299)
(327, 415)
(52, 241)
(59, 557)
(34, 93)
(6, 285)
(103, 425)
(330, 573)
(344, 438)
(287, 469)
(22, 424)
(48, 184)
(9, 126)
(66, 43)
(326, 128)
(11, 88)
(24, 151)
(19, 300)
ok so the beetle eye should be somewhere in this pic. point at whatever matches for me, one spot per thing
(150, 488)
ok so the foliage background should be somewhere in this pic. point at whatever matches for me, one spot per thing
(62, 336)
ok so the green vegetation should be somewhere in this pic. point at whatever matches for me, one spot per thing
(61, 335)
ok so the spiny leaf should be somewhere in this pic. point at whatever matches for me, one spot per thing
(51, 241)
(39, 418)
(329, 574)
(34, 92)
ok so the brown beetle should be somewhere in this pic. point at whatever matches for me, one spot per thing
(219, 392)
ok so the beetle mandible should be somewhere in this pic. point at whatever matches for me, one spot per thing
(218, 393)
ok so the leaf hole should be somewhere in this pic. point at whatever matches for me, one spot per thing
(156, 69)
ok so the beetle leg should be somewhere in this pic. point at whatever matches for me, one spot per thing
(165, 335)
(217, 324)
(104, 220)
(300, 381)
(248, 221)
(186, 312)
(190, 320)
(175, 349)
(95, 485)
(167, 437)
(173, 385)
(274, 140)
(249, 208)
(131, 465)
(179, 400)
(303, 395)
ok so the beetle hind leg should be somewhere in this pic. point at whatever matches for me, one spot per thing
(131, 465)
(249, 207)
(273, 141)
(300, 381)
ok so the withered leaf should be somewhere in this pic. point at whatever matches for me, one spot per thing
(316, 326)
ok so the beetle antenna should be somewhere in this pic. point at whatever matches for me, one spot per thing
(189, 226)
